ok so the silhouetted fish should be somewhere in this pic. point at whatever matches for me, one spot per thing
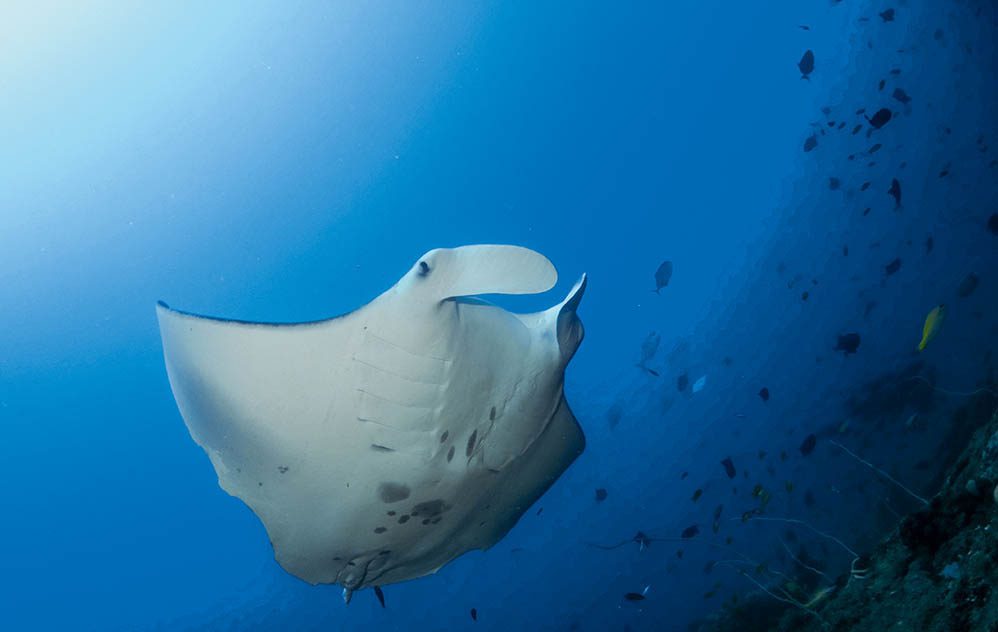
(696, 495)
(968, 285)
(690, 532)
(810, 142)
(633, 596)
(895, 192)
(806, 64)
(881, 118)
(600, 495)
(887, 15)
(764, 394)
(848, 343)
(804, 27)
(380, 595)
(993, 223)
(929, 244)
(874, 148)
(682, 382)
(807, 447)
(892, 267)
(729, 467)
(901, 96)
(474, 614)
(834, 183)
(663, 275)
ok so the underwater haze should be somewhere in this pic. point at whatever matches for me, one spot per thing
(821, 176)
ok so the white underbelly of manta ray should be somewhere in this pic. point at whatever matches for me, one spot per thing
(378, 446)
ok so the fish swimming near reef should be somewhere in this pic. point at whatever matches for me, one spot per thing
(932, 324)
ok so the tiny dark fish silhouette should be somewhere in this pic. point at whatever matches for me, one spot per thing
(810, 142)
(968, 285)
(764, 394)
(683, 476)
(887, 16)
(929, 244)
(729, 467)
(633, 596)
(682, 382)
(895, 192)
(690, 532)
(806, 64)
(993, 223)
(696, 495)
(880, 118)
(901, 96)
(380, 595)
(807, 447)
(804, 27)
(892, 267)
(848, 343)
(880, 86)
(663, 275)
(834, 183)
(539, 511)
(856, 129)
(874, 148)
(865, 186)
(474, 614)
(804, 295)
(600, 495)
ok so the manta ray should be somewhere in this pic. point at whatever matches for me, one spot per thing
(379, 445)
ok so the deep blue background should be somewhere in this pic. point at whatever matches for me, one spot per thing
(289, 161)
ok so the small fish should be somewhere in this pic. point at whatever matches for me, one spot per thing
(380, 595)
(887, 16)
(729, 467)
(690, 532)
(874, 148)
(699, 384)
(810, 143)
(804, 27)
(895, 192)
(601, 495)
(892, 267)
(474, 614)
(929, 244)
(696, 495)
(993, 223)
(663, 275)
(968, 285)
(901, 96)
(764, 394)
(683, 476)
(808, 445)
(633, 596)
(856, 129)
(834, 184)
(806, 64)
(539, 511)
(848, 343)
(933, 322)
(880, 118)
(804, 295)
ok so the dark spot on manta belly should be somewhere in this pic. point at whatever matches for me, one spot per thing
(471, 443)
(403, 518)
(450, 454)
(424, 268)
(393, 492)
(492, 414)
(282, 468)
(444, 436)
(431, 508)
(380, 448)
(380, 530)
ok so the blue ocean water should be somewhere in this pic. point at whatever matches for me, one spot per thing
(286, 162)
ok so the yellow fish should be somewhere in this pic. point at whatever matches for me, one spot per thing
(932, 324)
